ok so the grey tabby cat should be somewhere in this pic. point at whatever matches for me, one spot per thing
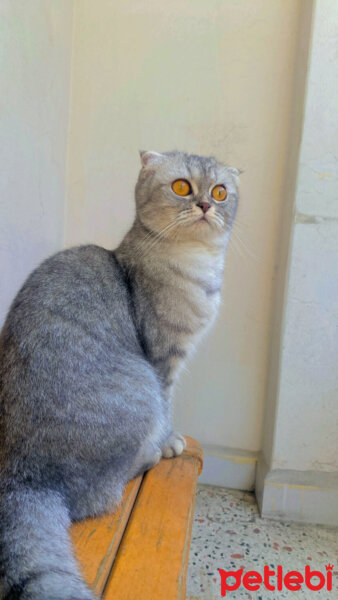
(89, 353)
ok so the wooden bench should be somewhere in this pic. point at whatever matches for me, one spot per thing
(141, 551)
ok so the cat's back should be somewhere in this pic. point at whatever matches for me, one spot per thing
(78, 290)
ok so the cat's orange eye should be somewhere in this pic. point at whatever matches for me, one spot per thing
(181, 187)
(219, 193)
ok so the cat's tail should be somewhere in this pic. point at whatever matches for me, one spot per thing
(36, 560)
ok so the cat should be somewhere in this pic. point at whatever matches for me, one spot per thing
(89, 353)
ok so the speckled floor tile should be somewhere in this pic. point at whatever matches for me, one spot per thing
(229, 534)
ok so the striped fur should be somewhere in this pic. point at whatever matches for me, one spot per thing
(89, 353)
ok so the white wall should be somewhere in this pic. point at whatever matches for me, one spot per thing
(306, 425)
(207, 77)
(298, 471)
(35, 47)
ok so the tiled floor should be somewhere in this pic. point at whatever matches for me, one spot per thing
(229, 534)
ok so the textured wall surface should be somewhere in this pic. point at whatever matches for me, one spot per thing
(307, 414)
(35, 49)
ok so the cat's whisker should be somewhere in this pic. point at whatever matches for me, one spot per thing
(242, 224)
(241, 227)
(154, 235)
(235, 236)
(247, 249)
(162, 234)
(237, 247)
(217, 221)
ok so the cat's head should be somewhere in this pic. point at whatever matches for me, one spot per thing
(185, 196)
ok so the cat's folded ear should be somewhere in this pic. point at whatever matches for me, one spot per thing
(235, 172)
(150, 158)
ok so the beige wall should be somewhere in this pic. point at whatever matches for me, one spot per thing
(35, 49)
(207, 77)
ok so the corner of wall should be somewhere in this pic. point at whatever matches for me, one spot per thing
(265, 459)
(303, 496)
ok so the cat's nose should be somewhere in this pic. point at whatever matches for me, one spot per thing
(204, 206)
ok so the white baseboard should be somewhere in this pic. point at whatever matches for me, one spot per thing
(304, 496)
(228, 467)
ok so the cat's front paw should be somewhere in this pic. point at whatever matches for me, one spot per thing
(174, 445)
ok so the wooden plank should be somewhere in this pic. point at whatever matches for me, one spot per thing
(152, 559)
(194, 449)
(96, 541)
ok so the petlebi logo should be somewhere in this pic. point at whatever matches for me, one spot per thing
(276, 580)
